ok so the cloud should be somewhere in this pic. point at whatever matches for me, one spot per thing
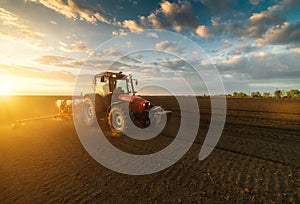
(98, 60)
(32, 80)
(284, 6)
(226, 44)
(77, 46)
(164, 45)
(243, 48)
(255, 26)
(258, 23)
(261, 65)
(107, 53)
(167, 46)
(255, 2)
(154, 21)
(6, 36)
(101, 18)
(229, 28)
(129, 44)
(282, 34)
(33, 72)
(235, 62)
(72, 10)
(180, 15)
(59, 61)
(174, 64)
(120, 32)
(296, 50)
(132, 26)
(152, 34)
(204, 32)
(218, 6)
(19, 30)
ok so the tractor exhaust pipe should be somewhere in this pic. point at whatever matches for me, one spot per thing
(131, 83)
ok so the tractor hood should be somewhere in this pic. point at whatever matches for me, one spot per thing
(136, 103)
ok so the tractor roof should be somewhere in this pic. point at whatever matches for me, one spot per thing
(117, 75)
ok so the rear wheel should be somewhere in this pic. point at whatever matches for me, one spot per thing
(88, 112)
(118, 119)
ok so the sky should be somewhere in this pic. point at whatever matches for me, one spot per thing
(252, 45)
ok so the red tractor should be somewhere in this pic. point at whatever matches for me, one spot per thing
(114, 100)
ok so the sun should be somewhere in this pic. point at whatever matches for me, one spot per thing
(6, 82)
(4, 90)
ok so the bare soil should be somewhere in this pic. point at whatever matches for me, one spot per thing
(256, 159)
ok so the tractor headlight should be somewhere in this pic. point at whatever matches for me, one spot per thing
(146, 105)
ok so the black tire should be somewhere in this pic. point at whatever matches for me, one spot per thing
(118, 120)
(88, 112)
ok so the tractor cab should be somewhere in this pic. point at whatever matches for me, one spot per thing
(107, 83)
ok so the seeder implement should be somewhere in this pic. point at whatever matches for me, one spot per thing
(64, 113)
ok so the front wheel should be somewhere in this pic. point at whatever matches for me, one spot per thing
(88, 112)
(118, 119)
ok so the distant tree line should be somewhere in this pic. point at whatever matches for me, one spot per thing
(293, 94)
